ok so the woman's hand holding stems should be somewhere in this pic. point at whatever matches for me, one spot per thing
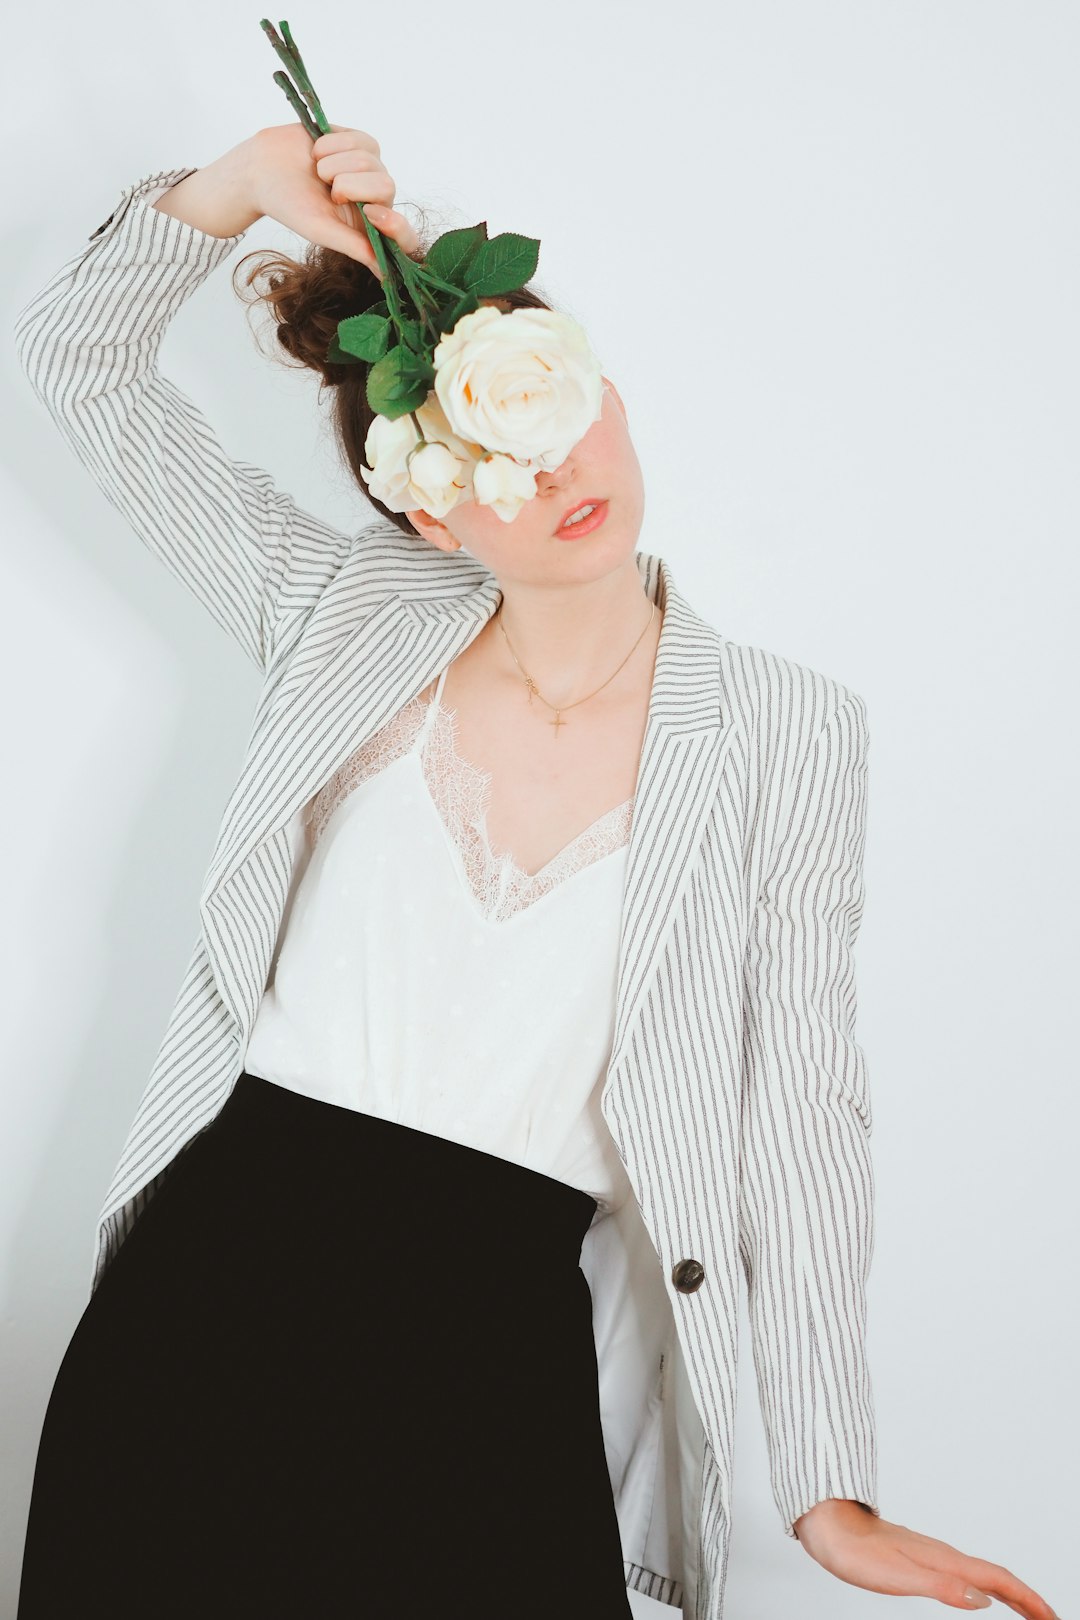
(308, 186)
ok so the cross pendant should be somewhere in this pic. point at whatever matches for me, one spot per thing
(557, 722)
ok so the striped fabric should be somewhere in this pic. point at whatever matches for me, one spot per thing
(736, 1093)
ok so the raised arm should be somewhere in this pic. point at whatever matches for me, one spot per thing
(89, 341)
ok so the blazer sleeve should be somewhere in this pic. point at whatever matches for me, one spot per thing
(88, 343)
(806, 1186)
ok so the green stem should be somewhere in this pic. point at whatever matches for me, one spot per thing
(302, 76)
(301, 111)
(396, 265)
(316, 123)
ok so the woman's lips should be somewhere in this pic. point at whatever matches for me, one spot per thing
(585, 525)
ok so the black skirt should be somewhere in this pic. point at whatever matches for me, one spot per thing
(339, 1367)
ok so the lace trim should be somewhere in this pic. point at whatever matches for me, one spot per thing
(460, 792)
(388, 744)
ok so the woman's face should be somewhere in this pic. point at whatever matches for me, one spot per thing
(602, 466)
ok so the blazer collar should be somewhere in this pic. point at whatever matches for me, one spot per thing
(325, 711)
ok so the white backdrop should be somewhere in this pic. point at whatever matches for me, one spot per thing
(829, 255)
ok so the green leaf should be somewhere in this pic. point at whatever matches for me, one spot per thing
(449, 317)
(411, 334)
(366, 336)
(450, 254)
(502, 265)
(395, 386)
(339, 356)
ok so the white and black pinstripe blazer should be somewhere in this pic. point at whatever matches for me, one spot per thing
(736, 1093)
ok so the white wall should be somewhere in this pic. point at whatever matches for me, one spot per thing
(829, 255)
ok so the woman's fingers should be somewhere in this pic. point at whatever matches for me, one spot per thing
(1000, 1583)
(949, 1573)
(365, 185)
(391, 223)
(993, 1579)
(388, 220)
(346, 156)
(340, 137)
(348, 162)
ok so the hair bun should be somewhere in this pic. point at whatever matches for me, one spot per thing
(308, 299)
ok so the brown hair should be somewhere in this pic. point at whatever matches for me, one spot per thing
(307, 299)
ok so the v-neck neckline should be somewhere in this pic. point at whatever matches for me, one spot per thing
(501, 862)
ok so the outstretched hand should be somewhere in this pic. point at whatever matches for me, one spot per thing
(857, 1547)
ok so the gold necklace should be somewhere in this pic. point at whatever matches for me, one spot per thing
(558, 720)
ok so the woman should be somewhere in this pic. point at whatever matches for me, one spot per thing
(520, 1016)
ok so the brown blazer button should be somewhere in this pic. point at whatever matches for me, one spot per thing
(688, 1275)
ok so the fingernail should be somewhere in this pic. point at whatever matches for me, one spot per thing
(977, 1599)
(375, 211)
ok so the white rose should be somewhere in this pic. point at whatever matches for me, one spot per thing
(386, 448)
(433, 478)
(431, 470)
(499, 482)
(524, 382)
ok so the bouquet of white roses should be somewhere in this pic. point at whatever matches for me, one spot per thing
(470, 400)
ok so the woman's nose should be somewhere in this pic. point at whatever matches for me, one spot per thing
(555, 478)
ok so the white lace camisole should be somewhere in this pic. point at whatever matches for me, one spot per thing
(424, 978)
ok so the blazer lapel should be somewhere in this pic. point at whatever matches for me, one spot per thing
(686, 746)
(314, 724)
(313, 727)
